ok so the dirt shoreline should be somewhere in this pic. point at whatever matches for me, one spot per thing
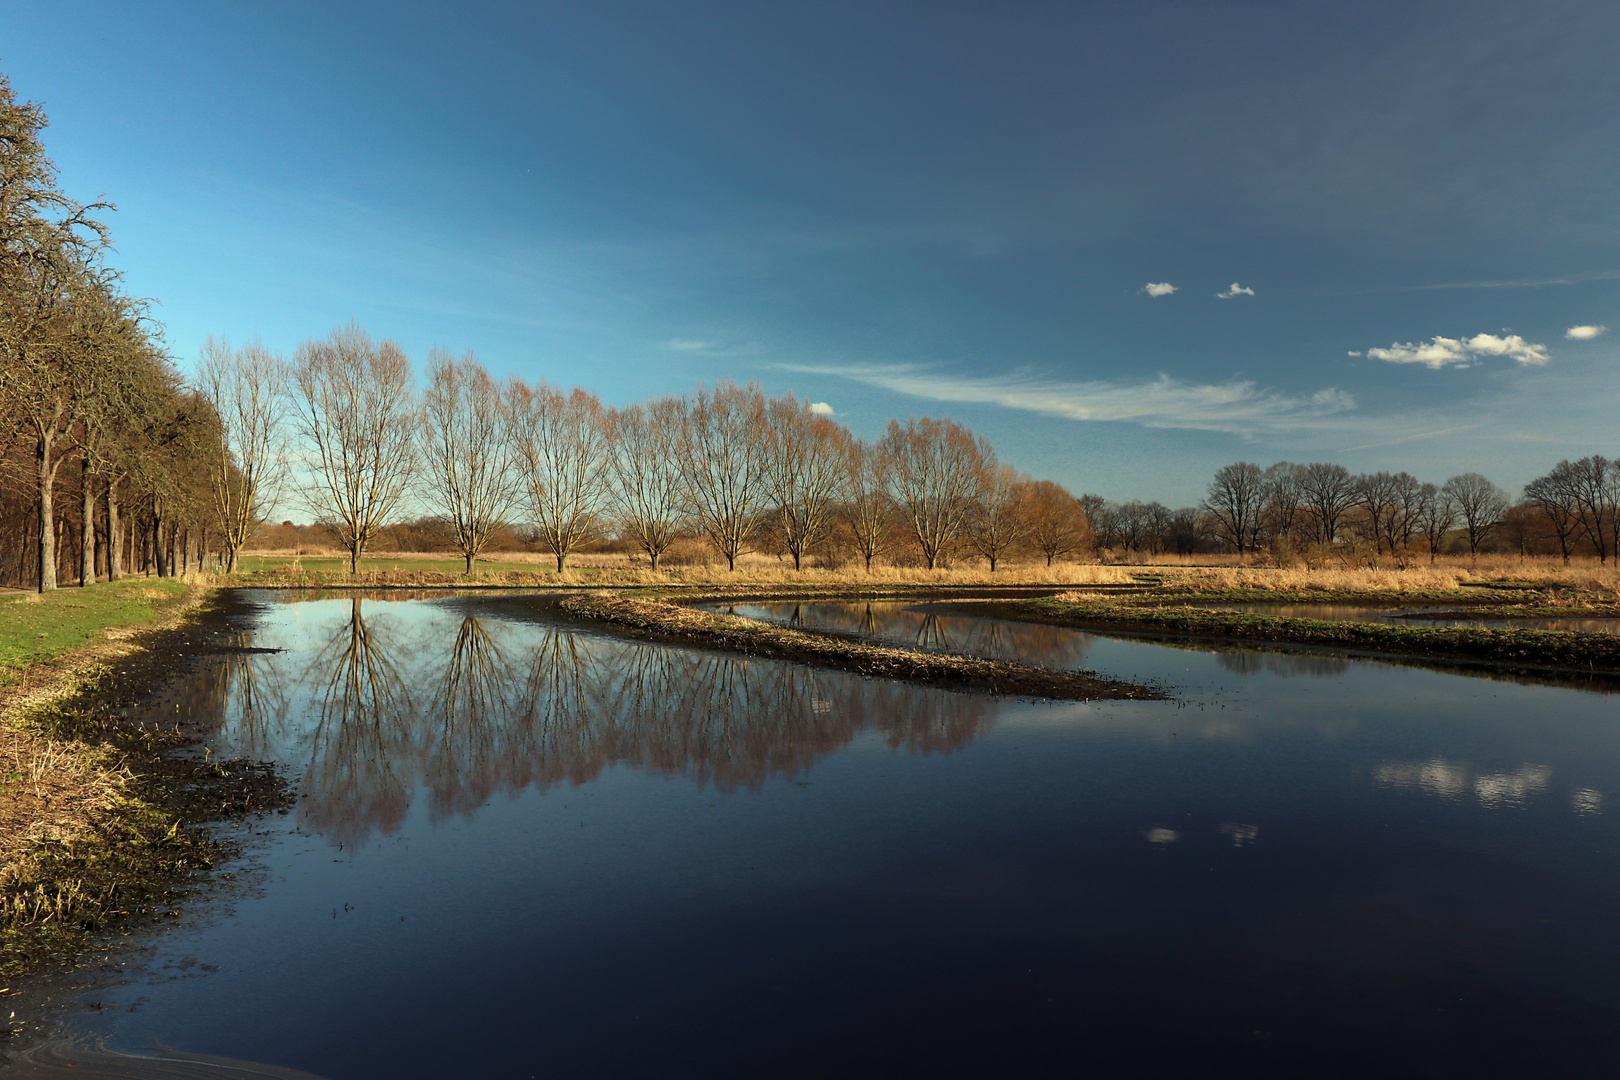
(675, 623)
(111, 831)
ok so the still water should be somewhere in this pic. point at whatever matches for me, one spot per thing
(522, 848)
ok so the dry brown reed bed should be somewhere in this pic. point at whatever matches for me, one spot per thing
(683, 625)
(1207, 573)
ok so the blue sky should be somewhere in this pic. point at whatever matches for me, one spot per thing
(901, 209)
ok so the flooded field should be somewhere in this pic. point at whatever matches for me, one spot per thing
(523, 848)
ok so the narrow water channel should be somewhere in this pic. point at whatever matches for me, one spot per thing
(523, 848)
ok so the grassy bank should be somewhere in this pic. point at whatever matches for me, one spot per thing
(1590, 653)
(674, 623)
(99, 818)
(36, 627)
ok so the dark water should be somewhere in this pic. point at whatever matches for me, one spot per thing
(1417, 617)
(523, 849)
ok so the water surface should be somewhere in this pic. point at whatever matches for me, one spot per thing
(523, 848)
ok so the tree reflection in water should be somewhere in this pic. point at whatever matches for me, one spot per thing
(519, 705)
(1253, 663)
(363, 736)
(1056, 647)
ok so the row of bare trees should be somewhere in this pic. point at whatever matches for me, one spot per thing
(728, 463)
(85, 382)
(1324, 503)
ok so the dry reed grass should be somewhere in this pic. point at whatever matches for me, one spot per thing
(1442, 576)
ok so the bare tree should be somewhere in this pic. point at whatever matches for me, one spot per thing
(1403, 518)
(646, 469)
(1374, 493)
(1480, 504)
(467, 449)
(1000, 517)
(1328, 491)
(1437, 516)
(1130, 521)
(247, 388)
(1236, 498)
(355, 411)
(724, 448)
(1100, 516)
(938, 470)
(1282, 490)
(1595, 483)
(868, 508)
(563, 457)
(1556, 496)
(806, 467)
(1057, 521)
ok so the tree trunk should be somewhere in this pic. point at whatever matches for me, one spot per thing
(470, 558)
(562, 558)
(868, 564)
(354, 557)
(159, 560)
(796, 566)
(47, 517)
(653, 555)
(87, 545)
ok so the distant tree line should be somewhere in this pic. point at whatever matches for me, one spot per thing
(1293, 511)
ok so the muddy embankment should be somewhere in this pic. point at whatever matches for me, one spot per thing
(103, 812)
(658, 620)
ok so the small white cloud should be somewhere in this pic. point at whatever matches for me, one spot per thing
(821, 408)
(1512, 345)
(690, 345)
(1235, 290)
(1158, 288)
(1585, 333)
(1162, 836)
(1354, 353)
(1440, 352)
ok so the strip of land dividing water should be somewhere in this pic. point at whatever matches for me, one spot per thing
(1546, 650)
(675, 623)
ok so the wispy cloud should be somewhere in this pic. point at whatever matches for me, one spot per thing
(1157, 288)
(1410, 438)
(1585, 333)
(689, 344)
(1441, 352)
(1235, 290)
(1239, 407)
(1521, 283)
